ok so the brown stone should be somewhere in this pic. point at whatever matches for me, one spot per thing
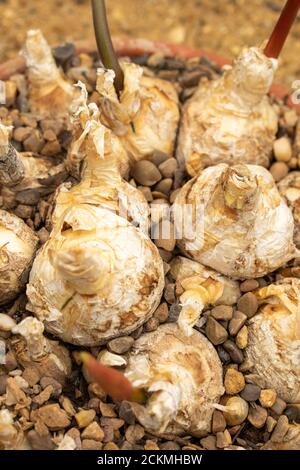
(209, 442)
(121, 345)
(22, 133)
(126, 412)
(107, 410)
(146, 173)
(279, 406)
(237, 322)
(90, 444)
(234, 381)
(34, 143)
(151, 325)
(215, 332)
(242, 338)
(249, 285)
(218, 422)
(162, 312)
(223, 439)
(251, 392)
(234, 352)
(85, 417)
(54, 417)
(134, 433)
(93, 431)
(222, 312)
(168, 168)
(37, 442)
(267, 397)
(44, 396)
(257, 416)
(248, 304)
(50, 149)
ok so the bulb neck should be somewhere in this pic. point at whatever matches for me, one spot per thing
(239, 187)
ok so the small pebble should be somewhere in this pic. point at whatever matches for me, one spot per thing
(215, 332)
(134, 433)
(121, 345)
(248, 304)
(169, 445)
(164, 186)
(234, 381)
(223, 439)
(158, 157)
(126, 412)
(107, 410)
(279, 170)
(279, 406)
(90, 444)
(164, 235)
(267, 398)
(3, 381)
(28, 197)
(235, 353)
(292, 412)
(168, 168)
(209, 442)
(169, 293)
(270, 424)
(50, 149)
(242, 338)
(34, 143)
(222, 312)
(151, 325)
(237, 322)
(6, 322)
(282, 149)
(111, 446)
(93, 431)
(257, 416)
(251, 392)
(53, 417)
(249, 285)
(146, 173)
(22, 133)
(162, 312)
(218, 422)
(85, 417)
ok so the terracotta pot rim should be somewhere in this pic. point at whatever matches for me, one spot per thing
(138, 46)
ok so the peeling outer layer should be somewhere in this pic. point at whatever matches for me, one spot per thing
(98, 155)
(12, 170)
(49, 92)
(230, 120)
(183, 377)
(34, 350)
(146, 115)
(291, 440)
(274, 337)
(202, 287)
(289, 188)
(96, 278)
(234, 220)
(18, 244)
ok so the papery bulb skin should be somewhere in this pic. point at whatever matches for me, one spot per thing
(182, 376)
(99, 275)
(18, 244)
(230, 119)
(289, 188)
(233, 219)
(203, 287)
(32, 349)
(274, 336)
(145, 116)
(50, 94)
(96, 278)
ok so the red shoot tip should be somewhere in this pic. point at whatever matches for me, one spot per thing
(282, 29)
(111, 381)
